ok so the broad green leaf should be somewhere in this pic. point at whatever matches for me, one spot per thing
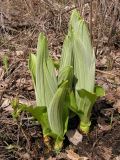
(84, 72)
(65, 116)
(46, 83)
(66, 74)
(67, 55)
(84, 58)
(32, 67)
(80, 30)
(50, 82)
(87, 100)
(99, 91)
(41, 54)
(86, 104)
(40, 114)
(84, 69)
(73, 105)
(84, 66)
(57, 111)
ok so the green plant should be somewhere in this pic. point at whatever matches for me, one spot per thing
(5, 62)
(74, 88)
(84, 90)
(51, 108)
(50, 93)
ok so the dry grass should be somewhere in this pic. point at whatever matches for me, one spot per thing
(21, 21)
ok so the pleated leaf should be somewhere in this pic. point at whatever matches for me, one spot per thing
(87, 101)
(84, 59)
(66, 74)
(73, 105)
(46, 83)
(84, 68)
(40, 114)
(32, 67)
(57, 111)
(67, 54)
(99, 91)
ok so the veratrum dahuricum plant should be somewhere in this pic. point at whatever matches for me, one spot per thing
(81, 56)
(74, 88)
(51, 93)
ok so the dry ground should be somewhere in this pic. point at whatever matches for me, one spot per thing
(20, 23)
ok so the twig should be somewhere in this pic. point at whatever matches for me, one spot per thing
(68, 10)
(113, 20)
(105, 72)
(91, 19)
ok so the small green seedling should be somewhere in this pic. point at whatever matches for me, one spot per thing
(5, 62)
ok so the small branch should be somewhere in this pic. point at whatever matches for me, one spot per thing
(113, 20)
(105, 72)
(91, 19)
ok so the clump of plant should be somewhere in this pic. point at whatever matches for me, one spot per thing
(74, 87)
(84, 93)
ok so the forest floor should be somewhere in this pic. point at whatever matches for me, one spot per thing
(21, 22)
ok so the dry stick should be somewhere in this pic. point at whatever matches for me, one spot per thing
(91, 19)
(113, 20)
(50, 4)
(81, 7)
(78, 2)
(99, 30)
(72, 8)
(29, 5)
(8, 7)
(96, 19)
(7, 41)
(105, 72)
(2, 20)
(28, 142)
(68, 10)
